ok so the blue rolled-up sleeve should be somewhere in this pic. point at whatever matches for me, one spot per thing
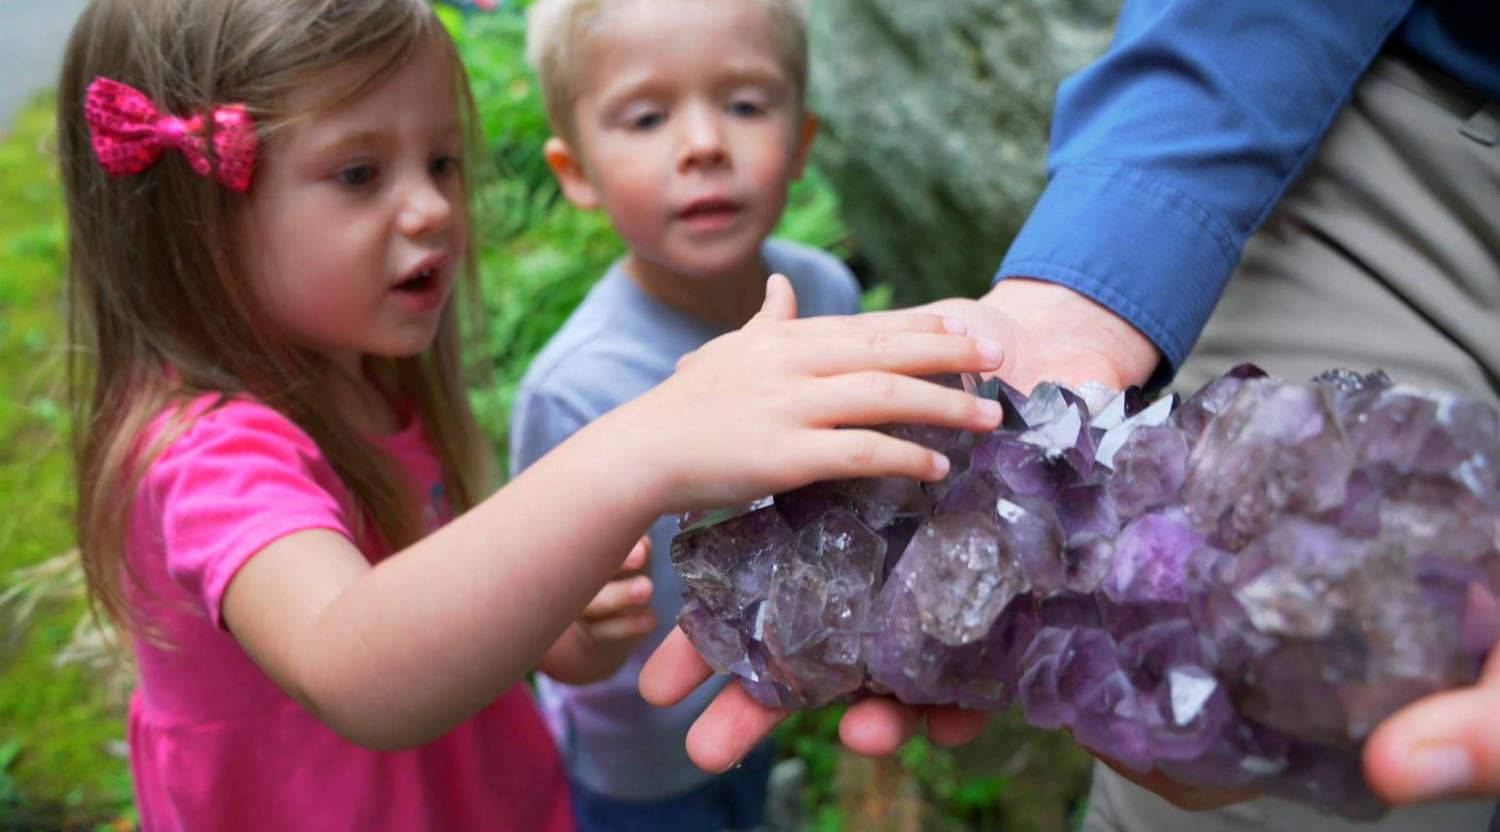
(1171, 149)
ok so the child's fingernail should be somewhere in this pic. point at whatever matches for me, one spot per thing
(991, 410)
(1440, 770)
(640, 587)
(955, 326)
(990, 350)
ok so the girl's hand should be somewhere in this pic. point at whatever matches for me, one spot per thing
(759, 410)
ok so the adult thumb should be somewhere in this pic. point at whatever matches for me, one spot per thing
(780, 303)
(1443, 745)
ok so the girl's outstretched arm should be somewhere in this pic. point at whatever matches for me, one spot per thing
(395, 655)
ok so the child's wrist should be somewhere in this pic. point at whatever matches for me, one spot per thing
(640, 465)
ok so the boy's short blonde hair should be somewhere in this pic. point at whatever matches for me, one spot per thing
(557, 29)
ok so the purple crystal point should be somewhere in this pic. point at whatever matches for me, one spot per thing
(1275, 448)
(1151, 558)
(727, 566)
(1066, 438)
(1028, 470)
(1061, 667)
(1120, 407)
(820, 591)
(1158, 413)
(1149, 470)
(920, 669)
(957, 576)
(1206, 404)
(1030, 534)
(1234, 590)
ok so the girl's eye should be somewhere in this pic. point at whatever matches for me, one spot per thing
(444, 166)
(647, 121)
(745, 109)
(356, 176)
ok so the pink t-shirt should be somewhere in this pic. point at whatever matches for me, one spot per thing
(214, 744)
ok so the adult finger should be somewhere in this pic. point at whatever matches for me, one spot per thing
(883, 398)
(673, 671)
(878, 726)
(729, 728)
(951, 727)
(1442, 745)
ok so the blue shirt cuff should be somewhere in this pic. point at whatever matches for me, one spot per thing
(1147, 252)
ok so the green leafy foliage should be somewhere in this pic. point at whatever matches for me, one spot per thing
(60, 729)
(538, 254)
(57, 722)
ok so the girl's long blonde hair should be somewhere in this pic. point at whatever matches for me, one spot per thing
(159, 312)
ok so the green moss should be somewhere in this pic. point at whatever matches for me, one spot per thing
(57, 721)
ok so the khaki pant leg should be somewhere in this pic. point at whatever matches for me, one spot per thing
(1386, 253)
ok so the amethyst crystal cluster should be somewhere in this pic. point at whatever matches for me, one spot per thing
(1234, 591)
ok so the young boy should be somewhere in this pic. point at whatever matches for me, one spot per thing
(684, 121)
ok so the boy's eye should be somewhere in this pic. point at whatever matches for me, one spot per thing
(356, 175)
(443, 166)
(745, 109)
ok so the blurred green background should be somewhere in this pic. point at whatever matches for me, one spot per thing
(62, 692)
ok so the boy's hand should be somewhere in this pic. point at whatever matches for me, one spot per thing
(754, 412)
(602, 638)
(621, 611)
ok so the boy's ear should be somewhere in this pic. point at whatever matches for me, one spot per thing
(805, 136)
(571, 176)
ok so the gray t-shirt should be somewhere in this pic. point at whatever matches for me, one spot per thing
(619, 343)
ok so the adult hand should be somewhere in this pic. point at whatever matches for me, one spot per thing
(1052, 333)
(1444, 745)
(1192, 798)
(1049, 333)
(733, 723)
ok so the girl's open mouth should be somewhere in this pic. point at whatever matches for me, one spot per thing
(420, 282)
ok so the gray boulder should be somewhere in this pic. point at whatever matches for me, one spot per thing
(935, 120)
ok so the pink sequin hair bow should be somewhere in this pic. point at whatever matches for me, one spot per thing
(130, 135)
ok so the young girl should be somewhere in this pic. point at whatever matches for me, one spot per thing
(267, 219)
